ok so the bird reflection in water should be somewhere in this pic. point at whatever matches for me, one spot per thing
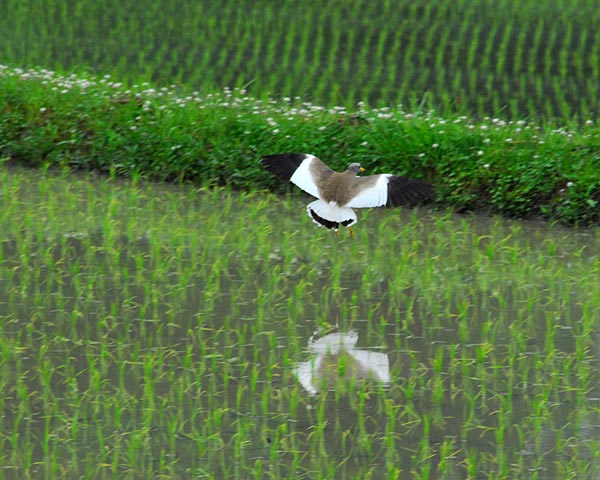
(336, 357)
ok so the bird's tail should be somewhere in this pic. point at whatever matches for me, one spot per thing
(330, 215)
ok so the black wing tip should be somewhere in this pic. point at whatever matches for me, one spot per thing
(294, 157)
(283, 165)
(408, 191)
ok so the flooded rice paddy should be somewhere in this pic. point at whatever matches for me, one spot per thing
(155, 331)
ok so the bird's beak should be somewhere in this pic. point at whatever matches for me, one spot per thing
(362, 169)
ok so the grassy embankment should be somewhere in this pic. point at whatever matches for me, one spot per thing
(511, 168)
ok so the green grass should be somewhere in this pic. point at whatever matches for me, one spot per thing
(519, 168)
(485, 57)
(152, 331)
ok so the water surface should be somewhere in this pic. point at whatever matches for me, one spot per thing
(155, 330)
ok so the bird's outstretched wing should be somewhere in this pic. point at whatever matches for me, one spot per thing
(388, 190)
(303, 170)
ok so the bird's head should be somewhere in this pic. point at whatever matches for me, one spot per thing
(355, 168)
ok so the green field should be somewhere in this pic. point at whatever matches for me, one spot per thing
(526, 59)
(154, 331)
(163, 315)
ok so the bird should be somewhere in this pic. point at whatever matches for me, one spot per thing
(338, 193)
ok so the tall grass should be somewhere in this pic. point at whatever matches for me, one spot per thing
(496, 58)
(152, 330)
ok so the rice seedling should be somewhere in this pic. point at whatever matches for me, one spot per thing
(481, 57)
(153, 330)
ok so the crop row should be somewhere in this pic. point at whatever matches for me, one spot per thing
(535, 59)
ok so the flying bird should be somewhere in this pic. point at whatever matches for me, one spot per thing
(339, 192)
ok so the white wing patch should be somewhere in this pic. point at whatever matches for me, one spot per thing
(375, 195)
(303, 177)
